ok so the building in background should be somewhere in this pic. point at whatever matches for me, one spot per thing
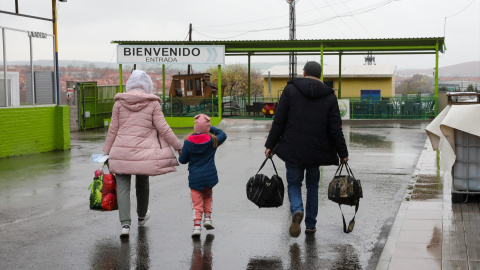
(357, 80)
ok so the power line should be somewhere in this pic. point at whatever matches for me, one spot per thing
(462, 9)
(334, 12)
(321, 13)
(270, 18)
(310, 23)
(445, 23)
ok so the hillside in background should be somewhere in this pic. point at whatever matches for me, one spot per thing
(468, 69)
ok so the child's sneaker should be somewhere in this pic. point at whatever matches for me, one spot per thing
(197, 230)
(125, 230)
(207, 223)
(142, 221)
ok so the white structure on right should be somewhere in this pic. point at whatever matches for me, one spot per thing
(455, 132)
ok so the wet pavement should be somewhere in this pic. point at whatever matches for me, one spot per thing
(45, 222)
(429, 231)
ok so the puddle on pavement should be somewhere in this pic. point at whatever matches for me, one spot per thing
(370, 140)
(427, 187)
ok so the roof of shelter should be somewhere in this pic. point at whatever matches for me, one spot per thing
(330, 46)
(348, 71)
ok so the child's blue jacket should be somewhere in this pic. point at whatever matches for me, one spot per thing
(199, 153)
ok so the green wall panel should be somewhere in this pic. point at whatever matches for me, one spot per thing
(34, 130)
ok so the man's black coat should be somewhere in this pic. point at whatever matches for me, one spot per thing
(307, 125)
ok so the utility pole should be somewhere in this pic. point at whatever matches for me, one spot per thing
(189, 39)
(292, 67)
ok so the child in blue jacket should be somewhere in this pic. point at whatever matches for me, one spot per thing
(199, 151)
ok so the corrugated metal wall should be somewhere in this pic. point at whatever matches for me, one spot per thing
(44, 87)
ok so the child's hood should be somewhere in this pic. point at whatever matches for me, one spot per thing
(199, 142)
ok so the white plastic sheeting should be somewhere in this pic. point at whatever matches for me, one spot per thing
(441, 130)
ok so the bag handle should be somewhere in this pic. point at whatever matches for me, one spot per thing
(263, 164)
(105, 169)
(347, 168)
(351, 224)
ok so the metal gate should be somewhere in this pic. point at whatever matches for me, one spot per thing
(95, 104)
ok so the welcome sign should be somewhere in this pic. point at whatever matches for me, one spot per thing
(197, 54)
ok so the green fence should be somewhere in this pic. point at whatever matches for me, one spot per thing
(95, 104)
(393, 108)
(183, 107)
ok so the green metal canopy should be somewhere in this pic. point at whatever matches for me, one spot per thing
(340, 47)
(259, 47)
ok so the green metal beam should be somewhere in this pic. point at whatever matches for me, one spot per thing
(163, 84)
(321, 61)
(219, 91)
(436, 80)
(326, 53)
(120, 72)
(309, 49)
(249, 80)
(340, 75)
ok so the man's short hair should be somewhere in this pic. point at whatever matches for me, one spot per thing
(313, 69)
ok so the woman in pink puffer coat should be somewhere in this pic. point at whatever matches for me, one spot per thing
(139, 142)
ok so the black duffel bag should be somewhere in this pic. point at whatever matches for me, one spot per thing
(345, 189)
(264, 191)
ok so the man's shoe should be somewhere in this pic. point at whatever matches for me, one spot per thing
(197, 231)
(142, 221)
(207, 223)
(310, 230)
(125, 230)
(295, 228)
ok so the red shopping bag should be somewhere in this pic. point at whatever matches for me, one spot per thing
(109, 193)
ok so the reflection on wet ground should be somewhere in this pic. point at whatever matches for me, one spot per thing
(110, 253)
(48, 192)
(370, 140)
(202, 254)
(426, 187)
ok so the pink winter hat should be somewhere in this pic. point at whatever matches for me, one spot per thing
(202, 123)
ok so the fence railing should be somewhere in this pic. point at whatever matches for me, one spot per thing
(184, 107)
(393, 108)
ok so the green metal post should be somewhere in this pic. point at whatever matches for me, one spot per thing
(219, 91)
(163, 84)
(339, 75)
(321, 61)
(120, 77)
(436, 79)
(249, 78)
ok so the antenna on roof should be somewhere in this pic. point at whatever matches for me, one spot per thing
(369, 59)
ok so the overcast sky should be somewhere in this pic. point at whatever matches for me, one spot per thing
(86, 27)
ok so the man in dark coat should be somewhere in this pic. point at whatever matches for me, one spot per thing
(306, 133)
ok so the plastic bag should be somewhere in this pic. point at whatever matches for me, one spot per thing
(98, 158)
(103, 190)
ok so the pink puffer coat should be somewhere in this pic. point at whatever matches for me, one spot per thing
(132, 142)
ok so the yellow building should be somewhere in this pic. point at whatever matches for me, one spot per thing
(357, 80)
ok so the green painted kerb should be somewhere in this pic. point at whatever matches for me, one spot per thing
(188, 122)
(33, 130)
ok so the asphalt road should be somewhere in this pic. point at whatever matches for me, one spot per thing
(45, 221)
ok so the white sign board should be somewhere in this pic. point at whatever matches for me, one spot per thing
(164, 54)
(344, 106)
